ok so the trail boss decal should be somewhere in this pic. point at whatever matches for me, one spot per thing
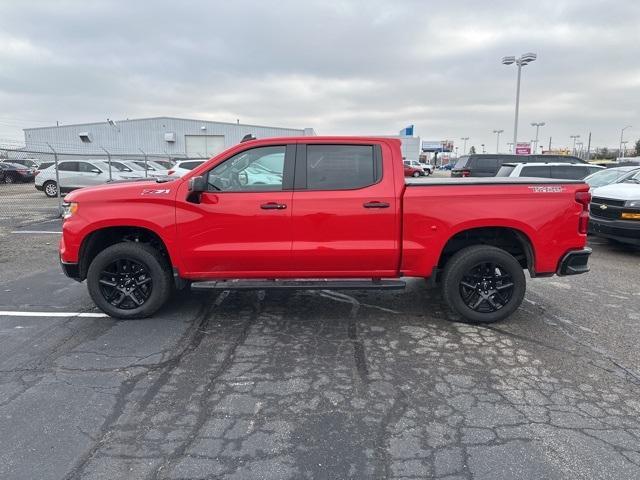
(547, 189)
(156, 191)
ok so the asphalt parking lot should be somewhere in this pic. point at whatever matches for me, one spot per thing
(317, 384)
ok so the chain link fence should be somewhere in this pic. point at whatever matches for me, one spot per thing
(30, 179)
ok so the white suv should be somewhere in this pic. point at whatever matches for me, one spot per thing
(183, 167)
(77, 174)
(567, 171)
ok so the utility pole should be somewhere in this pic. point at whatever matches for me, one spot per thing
(621, 135)
(464, 149)
(537, 125)
(498, 132)
(589, 148)
(523, 60)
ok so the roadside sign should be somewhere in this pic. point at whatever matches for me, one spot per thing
(523, 148)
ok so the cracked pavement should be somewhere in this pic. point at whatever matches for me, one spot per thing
(325, 384)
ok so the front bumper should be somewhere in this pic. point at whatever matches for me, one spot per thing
(71, 270)
(627, 231)
(574, 262)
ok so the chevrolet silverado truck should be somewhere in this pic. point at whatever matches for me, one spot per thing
(322, 213)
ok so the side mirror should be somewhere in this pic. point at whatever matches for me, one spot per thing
(95, 170)
(197, 185)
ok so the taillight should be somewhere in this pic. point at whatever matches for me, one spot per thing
(583, 198)
(466, 173)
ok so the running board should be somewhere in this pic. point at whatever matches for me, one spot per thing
(300, 285)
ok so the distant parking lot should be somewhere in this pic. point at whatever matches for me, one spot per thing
(317, 384)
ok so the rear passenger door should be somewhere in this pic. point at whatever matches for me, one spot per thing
(344, 213)
(68, 174)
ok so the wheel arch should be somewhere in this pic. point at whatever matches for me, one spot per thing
(100, 238)
(512, 240)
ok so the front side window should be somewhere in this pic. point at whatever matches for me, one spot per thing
(86, 167)
(484, 163)
(342, 167)
(569, 172)
(259, 169)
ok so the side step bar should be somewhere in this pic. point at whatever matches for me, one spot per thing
(299, 284)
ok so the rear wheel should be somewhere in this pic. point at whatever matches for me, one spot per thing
(9, 179)
(483, 284)
(129, 280)
(50, 189)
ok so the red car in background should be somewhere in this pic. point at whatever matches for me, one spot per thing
(411, 171)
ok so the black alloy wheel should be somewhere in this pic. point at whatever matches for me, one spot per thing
(126, 283)
(487, 287)
(483, 283)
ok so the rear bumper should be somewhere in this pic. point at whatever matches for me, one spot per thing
(574, 262)
(620, 230)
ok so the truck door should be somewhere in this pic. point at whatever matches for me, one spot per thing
(344, 211)
(241, 227)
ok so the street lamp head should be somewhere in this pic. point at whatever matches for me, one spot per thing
(508, 60)
(498, 131)
(526, 58)
(537, 124)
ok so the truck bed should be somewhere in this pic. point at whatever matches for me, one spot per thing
(426, 182)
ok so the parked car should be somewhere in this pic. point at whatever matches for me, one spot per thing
(609, 176)
(183, 167)
(423, 167)
(29, 163)
(340, 211)
(410, 171)
(15, 173)
(487, 165)
(615, 210)
(548, 170)
(153, 167)
(165, 164)
(75, 174)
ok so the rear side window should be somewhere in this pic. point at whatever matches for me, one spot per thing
(488, 164)
(461, 163)
(569, 172)
(536, 171)
(342, 167)
(505, 171)
(68, 166)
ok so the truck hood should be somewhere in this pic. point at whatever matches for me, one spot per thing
(618, 191)
(125, 189)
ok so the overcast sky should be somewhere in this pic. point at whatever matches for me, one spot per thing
(341, 67)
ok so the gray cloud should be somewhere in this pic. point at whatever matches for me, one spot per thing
(342, 67)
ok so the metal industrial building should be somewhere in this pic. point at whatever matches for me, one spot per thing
(158, 135)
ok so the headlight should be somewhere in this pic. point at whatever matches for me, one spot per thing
(69, 209)
(632, 203)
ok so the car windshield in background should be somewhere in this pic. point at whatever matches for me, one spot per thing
(633, 177)
(604, 177)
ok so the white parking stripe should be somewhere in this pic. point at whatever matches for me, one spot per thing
(34, 231)
(7, 313)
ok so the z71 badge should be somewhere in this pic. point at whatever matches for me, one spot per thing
(547, 189)
(156, 191)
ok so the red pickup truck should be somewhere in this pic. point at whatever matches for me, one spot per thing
(322, 212)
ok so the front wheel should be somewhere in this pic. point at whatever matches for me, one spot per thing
(9, 179)
(483, 284)
(50, 189)
(129, 280)
(416, 174)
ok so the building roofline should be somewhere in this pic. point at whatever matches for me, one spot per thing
(161, 118)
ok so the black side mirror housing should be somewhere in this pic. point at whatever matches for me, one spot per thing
(197, 185)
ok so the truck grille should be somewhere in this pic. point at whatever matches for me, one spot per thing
(606, 208)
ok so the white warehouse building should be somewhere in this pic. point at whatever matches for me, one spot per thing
(158, 135)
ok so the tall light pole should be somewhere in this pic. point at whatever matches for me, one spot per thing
(464, 149)
(510, 146)
(483, 150)
(624, 148)
(498, 132)
(537, 125)
(524, 59)
(575, 137)
(621, 135)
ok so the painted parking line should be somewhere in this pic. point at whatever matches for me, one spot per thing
(8, 313)
(36, 231)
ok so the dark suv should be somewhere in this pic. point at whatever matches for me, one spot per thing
(487, 165)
